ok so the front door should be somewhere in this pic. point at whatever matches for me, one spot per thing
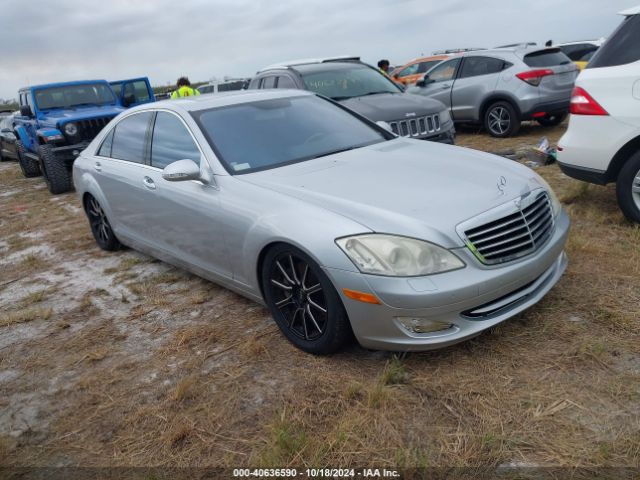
(133, 91)
(439, 81)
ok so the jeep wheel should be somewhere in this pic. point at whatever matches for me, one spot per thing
(501, 120)
(56, 173)
(551, 120)
(628, 188)
(30, 168)
(100, 226)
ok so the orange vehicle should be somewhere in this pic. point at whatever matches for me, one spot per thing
(414, 70)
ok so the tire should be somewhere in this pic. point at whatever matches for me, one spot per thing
(628, 188)
(56, 173)
(30, 168)
(552, 120)
(303, 302)
(100, 226)
(501, 120)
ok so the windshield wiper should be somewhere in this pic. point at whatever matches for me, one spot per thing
(333, 152)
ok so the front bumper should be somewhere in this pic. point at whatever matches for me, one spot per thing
(447, 137)
(69, 152)
(455, 297)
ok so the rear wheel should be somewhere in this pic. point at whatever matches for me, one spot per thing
(628, 188)
(56, 173)
(303, 301)
(552, 120)
(30, 168)
(100, 226)
(501, 120)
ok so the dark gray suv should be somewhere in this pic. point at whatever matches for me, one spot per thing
(499, 88)
(365, 90)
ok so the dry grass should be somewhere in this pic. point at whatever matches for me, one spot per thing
(148, 365)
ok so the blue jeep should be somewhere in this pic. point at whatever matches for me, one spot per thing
(58, 120)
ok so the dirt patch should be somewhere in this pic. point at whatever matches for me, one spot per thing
(122, 360)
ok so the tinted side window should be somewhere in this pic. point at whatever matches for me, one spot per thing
(424, 66)
(105, 148)
(410, 70)
(445, 71)
(268, 82)
(474, 66)
(136, 91)
(129, 138)
(171, 142)
(622, 47)
(286, 82)
(549, 57)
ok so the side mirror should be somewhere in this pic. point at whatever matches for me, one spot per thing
(25, 111)
(181, 170)
(384, 125)
(424, 81)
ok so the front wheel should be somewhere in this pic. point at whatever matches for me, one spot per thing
(57, 175)
(552, 120)
(303, 301)
(501, 120)
(628, 188)
(100, 226)
(30, 168)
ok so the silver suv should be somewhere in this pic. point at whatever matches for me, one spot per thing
(499, 88)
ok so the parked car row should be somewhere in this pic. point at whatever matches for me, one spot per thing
(312, 192)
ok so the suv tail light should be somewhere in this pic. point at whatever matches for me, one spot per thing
(534, 77)
(583, 104)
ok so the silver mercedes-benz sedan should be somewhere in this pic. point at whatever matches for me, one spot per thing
(333, 222)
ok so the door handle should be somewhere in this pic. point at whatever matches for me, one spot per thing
(98, 166)
(444, 87)
(149, 183)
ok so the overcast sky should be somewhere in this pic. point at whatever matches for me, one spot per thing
(59, 40)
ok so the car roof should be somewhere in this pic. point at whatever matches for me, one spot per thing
(630, 11)
(597, 42)
(309, 61)
(63, 84)
(222, 99)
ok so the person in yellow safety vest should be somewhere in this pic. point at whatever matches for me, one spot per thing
(184, 89)
(383, 65)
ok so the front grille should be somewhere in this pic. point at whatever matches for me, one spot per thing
(515, 235)
(416, 127)
(88, 129)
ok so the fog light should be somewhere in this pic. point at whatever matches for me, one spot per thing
(423, 325)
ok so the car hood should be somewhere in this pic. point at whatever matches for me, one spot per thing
(390, 107)
(405, 187)
(55, 117)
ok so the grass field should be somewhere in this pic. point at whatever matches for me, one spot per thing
(117, 359)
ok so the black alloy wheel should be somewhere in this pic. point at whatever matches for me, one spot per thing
(100, 226)
(303, 301)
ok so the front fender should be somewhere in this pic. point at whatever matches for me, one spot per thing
(23, 136)
(318, 243)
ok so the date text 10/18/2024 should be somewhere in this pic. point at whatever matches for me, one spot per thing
(315, 473)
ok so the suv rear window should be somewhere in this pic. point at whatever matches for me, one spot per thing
(549, 57)
(622, 47)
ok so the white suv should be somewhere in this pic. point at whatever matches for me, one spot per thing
(602, 143)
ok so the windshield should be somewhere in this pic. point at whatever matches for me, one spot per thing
(271, 133)
(344, 83)
(74, 95)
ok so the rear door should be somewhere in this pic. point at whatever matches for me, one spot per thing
(440, 81)
(556, 87)
(133, 91)
(478, 77)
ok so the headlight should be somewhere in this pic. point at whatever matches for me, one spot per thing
(445, 116)
(71, 129)
(390, 255)
(555, 203)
